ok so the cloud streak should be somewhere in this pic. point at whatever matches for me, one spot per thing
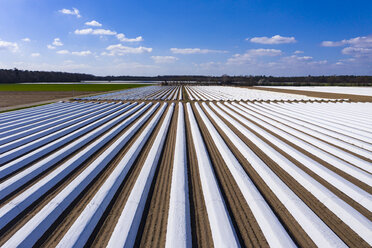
(81, 53)
(164, 59)
(93, 24)
(91, 31)
(357, 47)
(73, 11)
(253, 53)
(121, 50)
(194, 51)
(9, 46)
(57, 42)
(362, 41)
(275, 40)
(123, 38)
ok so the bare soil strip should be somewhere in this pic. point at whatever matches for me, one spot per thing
(367, 188)
(105, 227)
(153, 227)
(200, 229)
(243, 219)
(58, 149)
(332, 188)
(351, 238)
(331, 144)
(24, 98)
(155, 223)
(293, 228)
(70, 213)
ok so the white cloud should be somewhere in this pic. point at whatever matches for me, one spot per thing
(298, 52)
(63, 52)
(364, 41)
(50, 47)
(57, 42)
(122, 38)
(93, 24)
(358, 47)
(82, 53)
(35, 54)
(84, 31)
(298, 58)
(321, 62)
(264, 52)
(252, 53)
(10, 46)
(94, 31)
(332, 43)
(120, 50)
(164, 59)
(339, 63)
(100, 31)
(26, 39)
(276, 39)
(357, 51)
(194, 51)
(74, 12)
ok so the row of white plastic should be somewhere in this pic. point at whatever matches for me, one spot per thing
(36, 227)
(143, 93)
(227, 93)
(359, 223)
(328, 139)
(28, 141)
(363, 91)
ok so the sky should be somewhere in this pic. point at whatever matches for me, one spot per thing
(188, 37)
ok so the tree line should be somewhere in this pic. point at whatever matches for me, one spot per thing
(21, 76)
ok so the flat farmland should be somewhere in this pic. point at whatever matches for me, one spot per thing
(183, 166)
(23, 94)
(354, 94)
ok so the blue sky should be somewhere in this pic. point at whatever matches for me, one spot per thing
(252, 37)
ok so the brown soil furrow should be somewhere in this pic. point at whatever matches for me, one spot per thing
(245, 223)
(324, 182)
(185, 96)
(56, 150)
(42, 201)
(341, 148)
(343, 174)
(39, 204)
(322, 140)
(200, 229)
(13, 98)
(155, 223)
(53, 236)
(289, 223)
(52, 168)
(339, 227)
(106, 225)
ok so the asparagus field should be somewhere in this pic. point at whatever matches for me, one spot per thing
(185, 166)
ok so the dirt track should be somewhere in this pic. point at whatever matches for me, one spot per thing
(13, 98)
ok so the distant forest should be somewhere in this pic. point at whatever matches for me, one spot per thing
(21, 76)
